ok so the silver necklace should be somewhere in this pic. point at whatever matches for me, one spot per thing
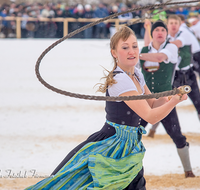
(129, 73)
(134, 75)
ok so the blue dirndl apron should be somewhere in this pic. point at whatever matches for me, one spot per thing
(108, 164)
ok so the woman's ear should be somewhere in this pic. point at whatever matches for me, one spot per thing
(113, 53)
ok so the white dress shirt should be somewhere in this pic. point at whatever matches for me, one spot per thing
(196, 29)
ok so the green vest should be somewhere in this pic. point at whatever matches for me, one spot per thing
(160, 80)
(185, 54)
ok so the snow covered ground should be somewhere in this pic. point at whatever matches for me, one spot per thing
(38, 127)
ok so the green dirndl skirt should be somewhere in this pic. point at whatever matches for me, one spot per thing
(109, 164)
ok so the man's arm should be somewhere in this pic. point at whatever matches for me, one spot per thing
(147, 34)
(153, 57)
(178, 43)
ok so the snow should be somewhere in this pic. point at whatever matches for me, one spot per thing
(36, 123)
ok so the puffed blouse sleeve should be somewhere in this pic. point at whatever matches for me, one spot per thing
(124, 83)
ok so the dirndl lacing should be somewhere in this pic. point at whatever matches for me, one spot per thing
(108, 164)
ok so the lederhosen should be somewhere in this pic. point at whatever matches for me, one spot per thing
(187, 77)
(117, 114)
(158, 81)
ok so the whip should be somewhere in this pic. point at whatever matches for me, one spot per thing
(181, 91)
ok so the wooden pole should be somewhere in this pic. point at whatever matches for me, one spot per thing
(117, 24)
(66, 29)
(18, 28)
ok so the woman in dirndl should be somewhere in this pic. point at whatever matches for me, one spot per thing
(111, 159)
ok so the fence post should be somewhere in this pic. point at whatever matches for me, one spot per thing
(117, 24)
(18, 28)
(65, 32)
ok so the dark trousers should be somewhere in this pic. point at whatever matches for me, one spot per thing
(189, 78)
(138, 183)
(196, 58)
(173, 129)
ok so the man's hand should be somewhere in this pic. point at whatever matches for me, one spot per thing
(147, 24)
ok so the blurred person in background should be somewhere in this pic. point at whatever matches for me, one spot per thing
(195, 47)
(40, 7)
(195, 25)
(101, 28)
(53, 7)
(78, 13)
(4, 24)
(51, 27)
(68, 13)
(138, 27)
(45, 12)
(184, 74)
(170, 11)
(39, 33)
(46, 29)
(182, 11)
(33, 26)
(112, 28)
(193, 11)
(12, 8)
(59, 31)
(89, 13)
(123, 19)
(23, 24)
(12, 26)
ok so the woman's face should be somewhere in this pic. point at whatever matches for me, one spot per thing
(127, 52)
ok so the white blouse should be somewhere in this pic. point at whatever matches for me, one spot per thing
(125, 83)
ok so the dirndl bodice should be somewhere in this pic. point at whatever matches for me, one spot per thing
(120, 113)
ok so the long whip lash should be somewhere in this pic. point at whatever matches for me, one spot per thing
(183, 90)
